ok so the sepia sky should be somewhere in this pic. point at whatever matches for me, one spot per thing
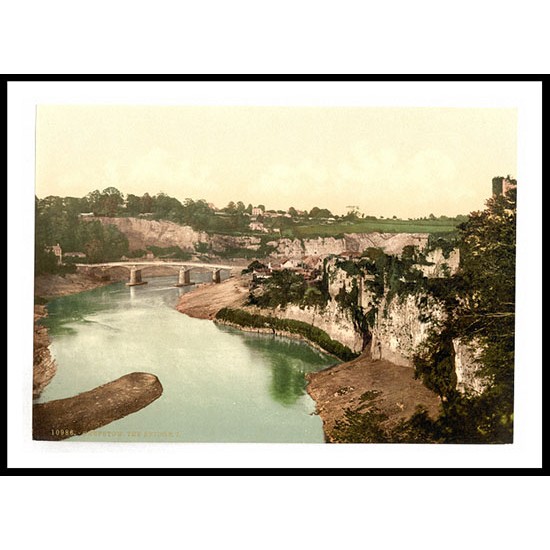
(407, 162)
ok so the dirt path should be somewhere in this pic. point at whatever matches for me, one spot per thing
(341, 387)
(206, 300)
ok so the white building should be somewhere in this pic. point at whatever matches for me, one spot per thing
(258, 226)
(257, 211)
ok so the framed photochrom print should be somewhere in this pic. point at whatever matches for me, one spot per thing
(275, 273)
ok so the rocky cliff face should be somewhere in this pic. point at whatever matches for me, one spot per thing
(440, 266)
(402, 324)
(390, 243)
(143, 233)
(336, 323)
(44, 366)
(220, 243)
(467, 367)
(296, 248)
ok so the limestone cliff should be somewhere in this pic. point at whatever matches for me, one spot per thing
(44, 366)
(390, 243)
(402, 324)
(336, 323)
(220, 243)
(142, 233)
(439, 265)
(468, 366)
(393, 325)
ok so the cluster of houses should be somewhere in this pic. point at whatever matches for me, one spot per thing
(256, 225)
(310, 268)
(56, 249)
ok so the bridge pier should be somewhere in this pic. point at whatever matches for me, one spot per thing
(135, 277)
(217, 276)
(184, 277)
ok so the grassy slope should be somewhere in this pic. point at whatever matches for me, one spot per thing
(371, 226)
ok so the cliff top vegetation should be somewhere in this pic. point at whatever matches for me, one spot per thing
(235, 218)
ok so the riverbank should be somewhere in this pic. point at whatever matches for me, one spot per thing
(207, 299)
(249, 318)
(49, 286)
(44, 367)
(275, 332)
(344, 387)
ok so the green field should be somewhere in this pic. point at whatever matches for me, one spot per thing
(371, 226)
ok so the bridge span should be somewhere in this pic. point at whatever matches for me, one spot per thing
(184, 270)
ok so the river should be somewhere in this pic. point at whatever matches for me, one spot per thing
(220, 384)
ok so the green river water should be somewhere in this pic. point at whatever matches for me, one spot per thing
(220, 384)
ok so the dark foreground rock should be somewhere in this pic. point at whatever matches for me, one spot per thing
(63, 418)
(44, 367)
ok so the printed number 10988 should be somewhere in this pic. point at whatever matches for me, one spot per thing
(62, 432)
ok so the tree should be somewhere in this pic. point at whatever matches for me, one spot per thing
(94, 250)
(94, 201)
(488, 257)
(352, 214)
(198, 214)
(146, 204)
(283, 287)
(133, 205)
(481, 305)
(253, 266)
(317, 212)
(111, 200)
(231, 208)
(167, 208)
(115, 243)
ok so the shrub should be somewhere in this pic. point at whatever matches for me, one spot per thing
(311, 333)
